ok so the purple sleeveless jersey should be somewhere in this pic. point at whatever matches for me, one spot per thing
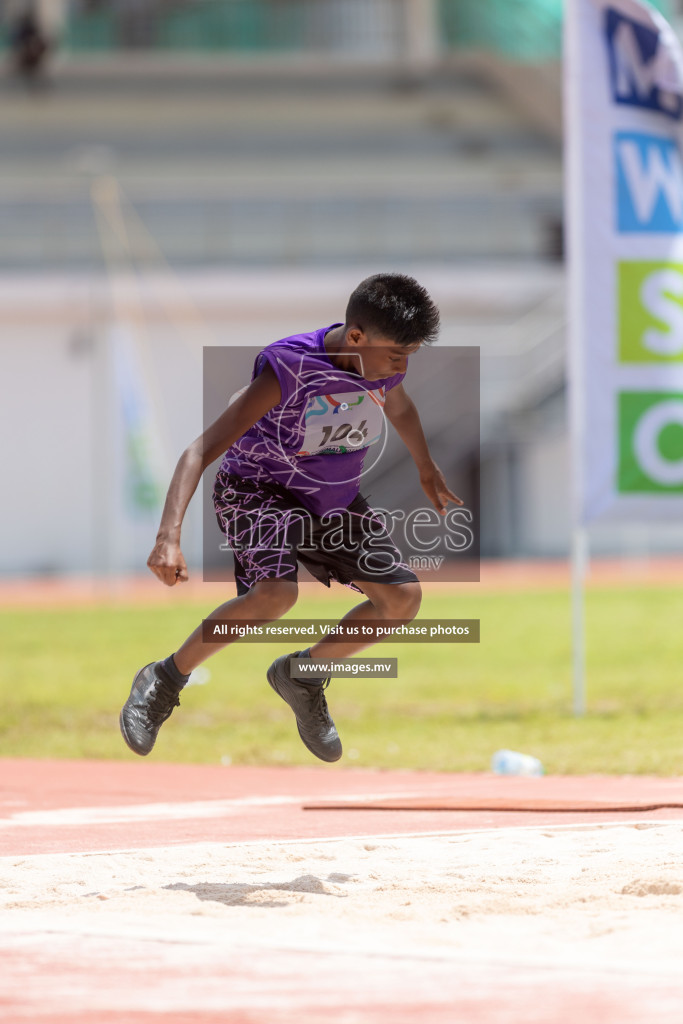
(315, 441)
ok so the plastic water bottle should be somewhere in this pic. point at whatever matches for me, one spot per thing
(511, 762)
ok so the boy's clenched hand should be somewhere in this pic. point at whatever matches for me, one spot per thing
(167, 563)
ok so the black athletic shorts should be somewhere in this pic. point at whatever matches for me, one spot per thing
(269, 532)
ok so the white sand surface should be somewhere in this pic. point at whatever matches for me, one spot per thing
(599, 901)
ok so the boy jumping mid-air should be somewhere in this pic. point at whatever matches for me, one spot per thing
(287, 489)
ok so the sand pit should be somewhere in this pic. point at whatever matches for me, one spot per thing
(554, 920)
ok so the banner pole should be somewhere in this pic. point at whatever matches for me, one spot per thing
(574, 221)
(579, 559)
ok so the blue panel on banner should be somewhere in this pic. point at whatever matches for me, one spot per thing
(649, 177)
(633, 49)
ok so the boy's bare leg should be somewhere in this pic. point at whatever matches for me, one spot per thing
(396, 601)
(264, 602)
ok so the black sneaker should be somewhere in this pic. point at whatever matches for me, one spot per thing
(152, 698)
(307, 701)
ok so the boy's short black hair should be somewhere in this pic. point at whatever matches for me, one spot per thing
(396, 307)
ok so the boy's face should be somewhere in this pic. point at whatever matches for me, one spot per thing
(376, 357)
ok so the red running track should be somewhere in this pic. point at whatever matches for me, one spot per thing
(78, 806)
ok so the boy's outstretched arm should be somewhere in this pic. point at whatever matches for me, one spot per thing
(402, 413)
(166, 560)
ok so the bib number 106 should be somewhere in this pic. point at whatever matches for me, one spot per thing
(354, 436)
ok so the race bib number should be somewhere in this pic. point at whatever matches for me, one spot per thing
(336, 424)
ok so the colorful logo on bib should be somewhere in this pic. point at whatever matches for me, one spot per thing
(650, 442)
(650, 312)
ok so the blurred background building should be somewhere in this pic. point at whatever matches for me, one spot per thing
(181, 173)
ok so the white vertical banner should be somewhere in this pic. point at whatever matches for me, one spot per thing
(136, 464)
(624, 215)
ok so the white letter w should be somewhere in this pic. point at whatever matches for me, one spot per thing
(650, 176)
